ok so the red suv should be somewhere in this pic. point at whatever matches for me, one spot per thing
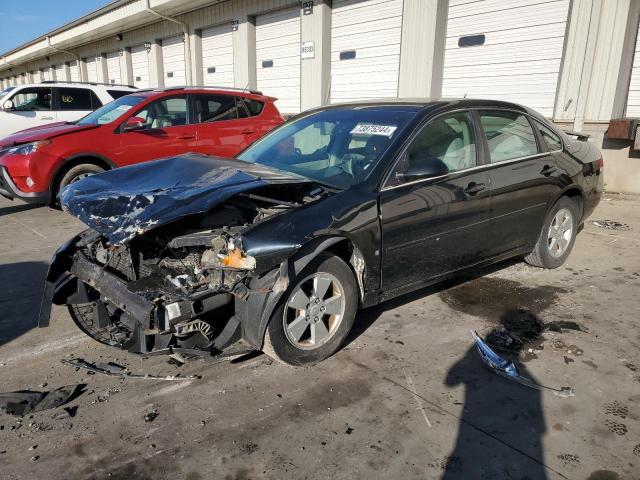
(36, 163)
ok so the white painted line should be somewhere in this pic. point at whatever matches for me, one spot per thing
(417, 398)
(47, 348)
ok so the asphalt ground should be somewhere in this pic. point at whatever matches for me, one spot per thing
(407, 397)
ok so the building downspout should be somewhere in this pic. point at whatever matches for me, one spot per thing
(63, 51)
(187, 42)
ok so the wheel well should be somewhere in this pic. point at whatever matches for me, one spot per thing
(88, 160)
(576, 195)
(348, 252)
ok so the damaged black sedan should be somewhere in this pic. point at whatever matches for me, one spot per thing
(340, 208)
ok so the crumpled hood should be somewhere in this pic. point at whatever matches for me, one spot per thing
(43, 132)
(123, 203)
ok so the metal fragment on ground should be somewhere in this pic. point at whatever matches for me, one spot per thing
(508, 369)
(91, 367)
(27, 401)
(611, 224)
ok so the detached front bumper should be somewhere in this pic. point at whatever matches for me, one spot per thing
(9, 189)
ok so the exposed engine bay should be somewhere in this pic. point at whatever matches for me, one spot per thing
(174, 286)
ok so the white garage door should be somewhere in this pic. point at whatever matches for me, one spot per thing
(278, 57)
(37, 77)
(74, 71)
(365, 49)
(505, 50)
(113, 68)
(173, 61)
(92, 69)
(46, 74)
(217, 56)
(140, 66)
(58, 71)
(633, 99)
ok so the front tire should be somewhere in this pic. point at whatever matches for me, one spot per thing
(558, 235)
(317, 313)
(73, 175)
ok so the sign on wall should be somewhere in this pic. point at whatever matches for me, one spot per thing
(307, 50)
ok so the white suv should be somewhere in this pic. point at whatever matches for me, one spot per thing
(32, 105)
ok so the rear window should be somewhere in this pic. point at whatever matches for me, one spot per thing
(76, 99)
(550, 137)
(253, 106)
(116, 94)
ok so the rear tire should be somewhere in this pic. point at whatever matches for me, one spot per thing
(558, 235)
(327, 294)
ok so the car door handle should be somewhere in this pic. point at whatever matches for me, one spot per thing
(248, 132)
(474, 188)
(186, 137)
(549, 170)
(46, 118)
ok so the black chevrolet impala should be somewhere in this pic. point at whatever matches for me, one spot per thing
(339, 208)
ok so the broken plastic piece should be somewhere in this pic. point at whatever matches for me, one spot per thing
(27, 401)
(508, 369)
(91, 367)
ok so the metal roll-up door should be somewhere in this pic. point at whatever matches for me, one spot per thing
(113, 68)
(505, 50)
(58, 71)
(140, 66)
(633, 98)
(217, 56)
(173, 61)
(365, 49)
(278, 57)
(92, 69)
(74, 71)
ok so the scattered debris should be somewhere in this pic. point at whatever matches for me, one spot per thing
(509, 370)
(35, 458)
(26, 401)
(611, 224)
(68, 412)
(124, 373)
(151, 416)
(349, 431)
(177, 359)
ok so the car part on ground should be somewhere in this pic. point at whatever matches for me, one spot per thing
(194, 253)
(27, 401)
(509, 370)
(123, 373)
(611, 224)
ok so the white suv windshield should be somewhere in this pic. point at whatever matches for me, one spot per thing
(111, 111)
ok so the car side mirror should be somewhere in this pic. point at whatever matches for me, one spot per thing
(134, 123)
(8, 105)
(423, 166)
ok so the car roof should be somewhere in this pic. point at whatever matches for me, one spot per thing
(200, 89)
(422, 104)
(78, 84)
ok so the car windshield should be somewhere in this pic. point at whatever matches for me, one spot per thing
(111, 111)
(5, 92)
(337, 147)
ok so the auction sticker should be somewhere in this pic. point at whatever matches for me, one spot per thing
(371, 129)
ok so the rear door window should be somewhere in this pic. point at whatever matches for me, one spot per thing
(116, 94)
(509, 135)
(215, 108)
(32, 99)
(549, 137)
(75, 99)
